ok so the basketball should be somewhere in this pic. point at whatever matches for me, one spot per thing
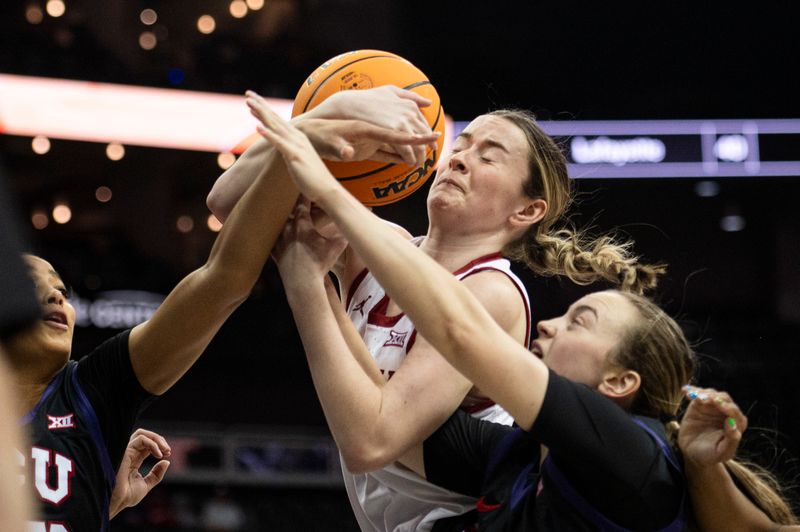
(375, 183)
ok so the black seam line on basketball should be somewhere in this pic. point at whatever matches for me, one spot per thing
(438, 116)
(324, 81)
(417, 84)
(382, 168)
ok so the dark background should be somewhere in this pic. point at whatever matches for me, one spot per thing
(738, 294)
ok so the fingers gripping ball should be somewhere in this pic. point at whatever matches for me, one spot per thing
(374, 182)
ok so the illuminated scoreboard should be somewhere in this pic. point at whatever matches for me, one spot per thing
(676, 148)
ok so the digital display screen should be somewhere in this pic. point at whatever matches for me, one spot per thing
(676, 148)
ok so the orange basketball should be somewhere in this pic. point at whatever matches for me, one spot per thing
(375, 182)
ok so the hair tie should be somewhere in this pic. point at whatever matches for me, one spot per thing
(667, 418)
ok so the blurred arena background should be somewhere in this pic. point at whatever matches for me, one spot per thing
(720, 207)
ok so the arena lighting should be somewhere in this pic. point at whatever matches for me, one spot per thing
(115, 151)
(39, 219)
(213, 224)
(62, 213)
(190, 120)
(55, 8)
(147, 40)
(238, 9)
(134, 116)
(184, 223)
(148, 17)
(34, 15)
(707, 189)
(206, 24)
(225, 160)
(40, 144)
(732, 223)
(103, 194)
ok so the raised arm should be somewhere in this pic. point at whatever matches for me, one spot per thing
(373, 421)
(445, 311)
(378, 118)
(709, 435)
(166, 345)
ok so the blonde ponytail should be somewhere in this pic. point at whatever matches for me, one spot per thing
(548, 251)
(585, 260)
(763, 489)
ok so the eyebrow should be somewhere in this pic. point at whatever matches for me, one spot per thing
(489, 142)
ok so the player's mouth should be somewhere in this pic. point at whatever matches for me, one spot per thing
(536, 349)
(451, 182)
(57, 320)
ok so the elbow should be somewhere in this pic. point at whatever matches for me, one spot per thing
(362, 463)
(215, 201)
(365, 457)
(459, 336)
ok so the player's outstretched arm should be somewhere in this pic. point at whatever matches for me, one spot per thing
(372, 421)
(166, 345)
(131, 487)
(446, 313)
(384, 124)
(709, 435)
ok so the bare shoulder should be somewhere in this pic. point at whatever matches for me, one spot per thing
(498, 294)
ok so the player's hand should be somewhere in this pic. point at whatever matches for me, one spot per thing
(357, 140)
(131, 487)
(305, 167)
(711, 428)
(302, 253)
(388, 107)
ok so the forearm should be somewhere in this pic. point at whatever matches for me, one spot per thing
(164, 347)
(353, 340)
(258, 160)
(253, 227)
(719, 505)
(350, 399)
(234, 182)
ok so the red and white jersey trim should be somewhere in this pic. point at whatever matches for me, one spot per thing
(394, 499)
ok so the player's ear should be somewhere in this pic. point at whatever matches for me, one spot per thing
(530, 213)
(620, 385)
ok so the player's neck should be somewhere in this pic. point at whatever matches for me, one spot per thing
(454, 251)
(30, 376)
(27, 394)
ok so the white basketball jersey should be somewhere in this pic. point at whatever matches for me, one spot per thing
(395, 499)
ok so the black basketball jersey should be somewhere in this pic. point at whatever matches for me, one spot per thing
(78, 431)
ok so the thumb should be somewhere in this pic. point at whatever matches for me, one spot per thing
(347, 152)
(156, 474)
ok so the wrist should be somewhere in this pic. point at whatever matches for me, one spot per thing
(334, 196)
(301, 289)
(699, 473)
